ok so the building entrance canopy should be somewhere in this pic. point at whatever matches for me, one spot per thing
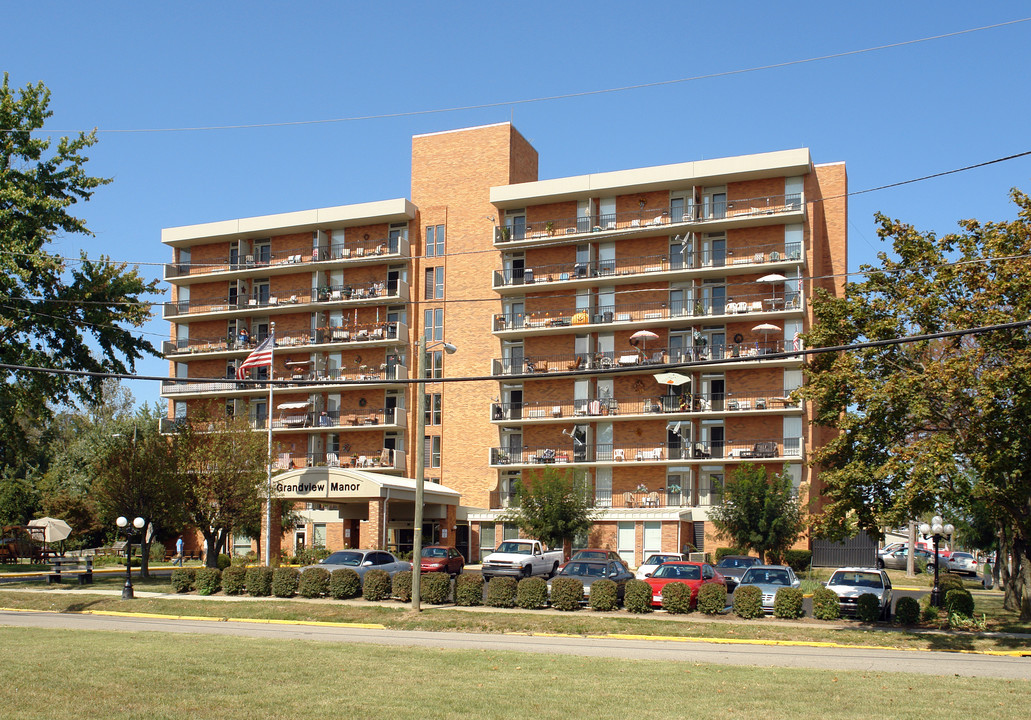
(343, 484)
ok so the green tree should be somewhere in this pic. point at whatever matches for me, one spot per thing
(56, 313)
(937, 423)
(759, 512)
(553, 506)
(19, 499)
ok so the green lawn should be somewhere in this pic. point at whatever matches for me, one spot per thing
(61, 673)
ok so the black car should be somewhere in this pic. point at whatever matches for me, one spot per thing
(587, 571)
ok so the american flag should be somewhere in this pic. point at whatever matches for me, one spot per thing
(261, 356)
(796, 342)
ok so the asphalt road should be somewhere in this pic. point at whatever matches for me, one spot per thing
(844, 659)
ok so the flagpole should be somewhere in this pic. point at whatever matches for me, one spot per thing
(268, 420)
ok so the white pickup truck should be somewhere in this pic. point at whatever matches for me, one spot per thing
(521, 558)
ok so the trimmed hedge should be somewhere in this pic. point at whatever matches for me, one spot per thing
(501, 592)
(344, 584)
(284, 582)
(960, 602)
(208, 581)
(724, 551)
(748, 602)
(223, 561)
(532, 593)
(604, 595)
(469, 590)
(259, 581)
(798, 560)
(826, 604)
(402, 585)
(712, 599)
(637, 596)
(182, 579)
(376, 585)
(234, 580)
(566, 593)
(946, 582)
(787, 604)
(314, 583)
(676, 598)
(907, 611)
(435, 588)
(868, 607)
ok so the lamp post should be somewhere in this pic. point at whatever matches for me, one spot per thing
(137, 524)
(935, 529)
(420, 460)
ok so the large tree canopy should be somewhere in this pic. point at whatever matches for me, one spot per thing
(939, 423)
(553, 506)
(54, 313)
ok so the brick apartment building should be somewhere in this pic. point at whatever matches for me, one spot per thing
(565, 298)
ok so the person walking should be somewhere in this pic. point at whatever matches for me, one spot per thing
(179, 551)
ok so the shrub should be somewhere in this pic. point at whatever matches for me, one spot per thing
(376, 585)
(604, 595)
(798, 560)
(959, 602)
(748, 602)
(284, 582)
(532, 593)
(946, 582)
(182, 579)
(928, 612)
(723, 552)
(208, 581)
(402, 585)
(712, 598)
(223, 561)
(314, 583)
(435, 588)
(826, 604)
(156, 552)
(259, 581)
(787, 603)
(309, 556)
(676, 598)
(868, 607)
(234, 580)
(566, 593)
(344, 584)
(501, 592)
(637, 596)
(469, 590)
(907, 611)
(809, 587)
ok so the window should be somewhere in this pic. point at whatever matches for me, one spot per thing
(433, 288)
(433, 324)
(397, 232)
(431, 456)
(434, 364)
(432, 409)
(434, 241)
(515, 223)
(486, 539)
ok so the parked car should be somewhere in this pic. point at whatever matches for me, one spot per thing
(594, 554)
(521, 558)
(692, 574)
(441, 558)
(588, 571)
(653, 561)
(732, 567)
(963, 562)
(850, 582)
(361, 561)
(769, 579)
(897, 560)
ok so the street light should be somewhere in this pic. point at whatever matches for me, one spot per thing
(137, 525)
(420, 459)
(936, 530)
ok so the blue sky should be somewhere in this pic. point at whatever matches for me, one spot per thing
(890, 115)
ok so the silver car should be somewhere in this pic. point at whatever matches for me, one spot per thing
(850, 582)
(963, 562)
(769, 579)
(361, 561)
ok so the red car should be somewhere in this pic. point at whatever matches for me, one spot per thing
(441, 558)
(692, 574)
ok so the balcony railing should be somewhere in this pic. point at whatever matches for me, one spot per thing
(654, 405)
(369, 294)
(382, 373)
(380, 460)
(691, 260)
(362, 333)
(619, 453)
(709, 494)
(340, 419)
(653, 218)
(737, 304)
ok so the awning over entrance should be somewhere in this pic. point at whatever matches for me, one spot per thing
(340, 484)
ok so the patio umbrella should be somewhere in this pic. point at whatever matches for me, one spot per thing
(642, 336)
(671, 378)
(53, 529)
(772, 279)
(766, 329)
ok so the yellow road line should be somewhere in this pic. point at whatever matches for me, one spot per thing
(202, 618)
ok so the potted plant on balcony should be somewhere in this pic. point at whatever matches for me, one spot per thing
(549, 227)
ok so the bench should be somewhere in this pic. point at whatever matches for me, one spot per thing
(80, 567)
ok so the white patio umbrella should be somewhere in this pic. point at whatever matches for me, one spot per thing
(53, 529)
(671, 378)
(772, 279)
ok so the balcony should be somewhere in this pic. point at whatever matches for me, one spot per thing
(336, 420)
(353, 254)
(645, 315)
(655, 454)
(324, 298)
(670, 497)
(737, 261)
(384, 460)
(707, 217)
(350, 335)
(642, 407)
(382, 375)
